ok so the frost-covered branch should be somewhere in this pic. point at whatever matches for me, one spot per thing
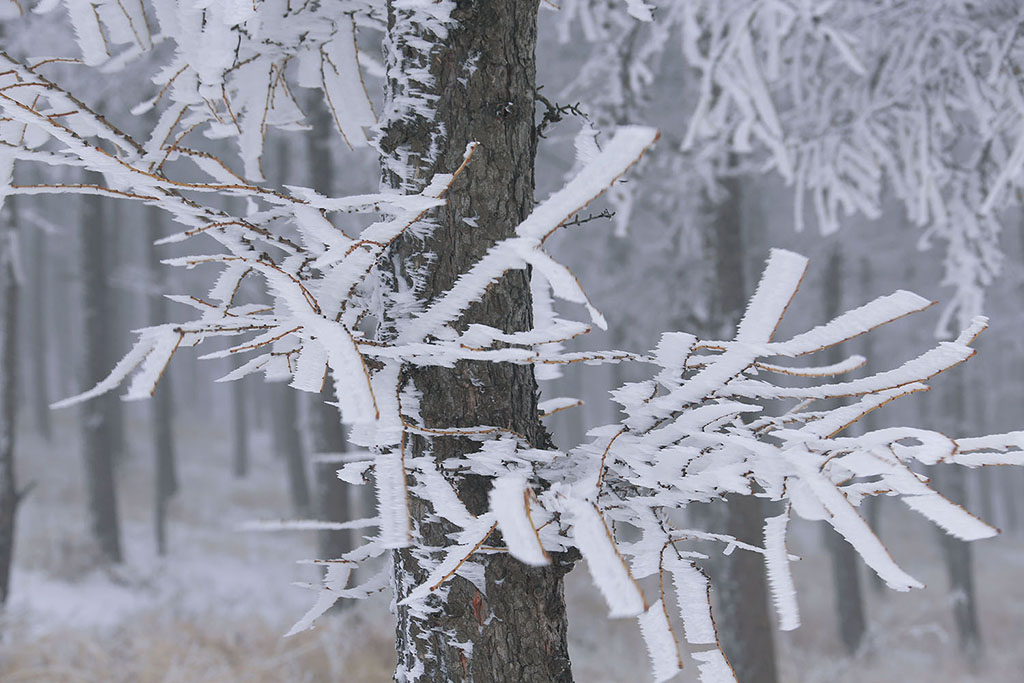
(846, 101)
(706, 426)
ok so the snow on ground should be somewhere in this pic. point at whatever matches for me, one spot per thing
(215, 608)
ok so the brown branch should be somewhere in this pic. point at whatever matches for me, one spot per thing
(463, 560)
(250, 347)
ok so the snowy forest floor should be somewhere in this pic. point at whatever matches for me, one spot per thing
(216, 607)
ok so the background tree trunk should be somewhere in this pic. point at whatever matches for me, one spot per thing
(845, 562)
(239, 423)
(957, 555)
(950, 482)
(8, 390)
(38, 277)
(518, 632)
(98, 415)
(984, 491)
(1009, 486)
(165, 483)
(288, 445)
(117, 318)
(9, 496)
(744, 624)
(873, 505)
(334, 497)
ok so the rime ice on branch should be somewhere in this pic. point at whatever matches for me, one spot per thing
(702, 428)
(847, 101)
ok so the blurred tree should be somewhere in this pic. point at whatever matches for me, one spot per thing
(165, 483)
(845, 565)
(98, 418)
(334, 497)
(9, 285)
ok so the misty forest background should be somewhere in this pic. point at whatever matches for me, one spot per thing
(178, 591)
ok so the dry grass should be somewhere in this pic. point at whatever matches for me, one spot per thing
(216, 609)
(155, 648)
(203, 614)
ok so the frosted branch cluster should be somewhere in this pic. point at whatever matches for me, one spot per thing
(704, 427)
(847, 101)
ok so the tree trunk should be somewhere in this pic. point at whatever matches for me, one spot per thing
(9, 496)
(1009, 486)
(957, 555)
(984, 492)
(36, 320)
(744, 624)
(239, 423)
(8, 390)
(283, 400)
(845, 562)
(476, 76)
(334, 497)
(117, 318)
(873, 504)
(949, 481)
(288, 445)
(165, 483)
(98, 421)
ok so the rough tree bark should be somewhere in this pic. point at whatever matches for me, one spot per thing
(165, 482)
(744, 623)
(476, 74)
(9, 496)
(845, 562)
(97, 415)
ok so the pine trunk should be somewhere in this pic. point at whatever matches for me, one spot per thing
(99, 424)
(334, 497)
(36, 320)
(957, 555)
(116, 318)
(9, 496)
(873, 504)
(239, 423)
(845, 562)
(8, 391)
(475, 75)
(288, 445)
(744, 624)
(984, 491)
(1009, 486)
(165, 483)
(950, 482)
